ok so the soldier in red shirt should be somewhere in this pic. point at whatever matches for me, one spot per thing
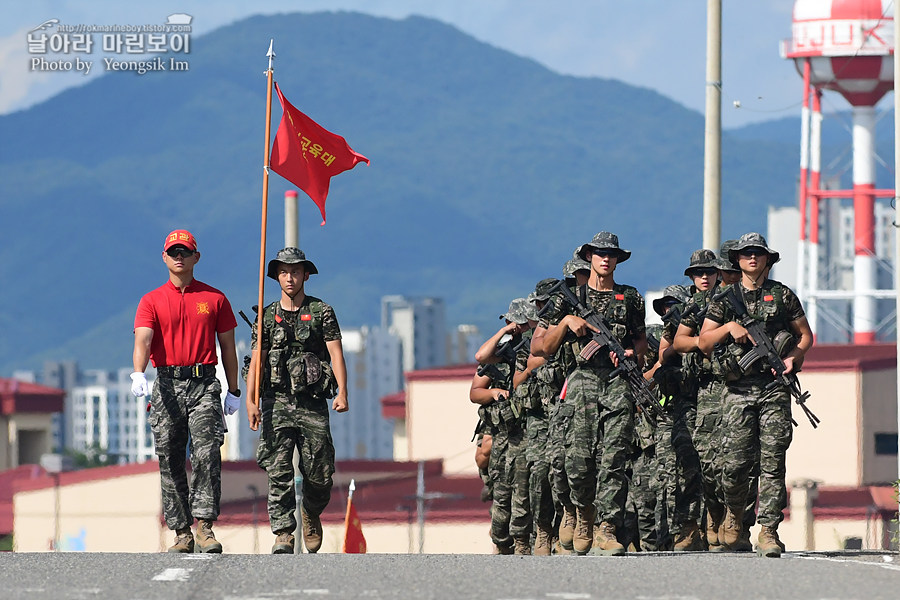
(176, 327)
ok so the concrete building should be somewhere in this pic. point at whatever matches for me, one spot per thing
(420, 323)
(26, 429)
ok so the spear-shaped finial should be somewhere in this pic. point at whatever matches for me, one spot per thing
(352, 487)
(271, 53)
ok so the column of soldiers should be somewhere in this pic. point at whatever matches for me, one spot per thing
(574, 457)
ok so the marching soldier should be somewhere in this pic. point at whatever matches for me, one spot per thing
(302, 368)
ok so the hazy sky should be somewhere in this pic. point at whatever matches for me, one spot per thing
(658, 44)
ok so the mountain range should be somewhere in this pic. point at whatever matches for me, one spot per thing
(487, 170)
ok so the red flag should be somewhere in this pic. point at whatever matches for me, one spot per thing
(308, 155)
(354, 540)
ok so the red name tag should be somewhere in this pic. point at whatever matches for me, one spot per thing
(768, 298)
(306, 317)
(620, 296)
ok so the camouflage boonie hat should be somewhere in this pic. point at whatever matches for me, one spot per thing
(702, 259)
(289, 256)
(518, 311)
(576, 264)
(725, 263)
(605, 241)
(542, 289)
(672, 292)
(753, 240)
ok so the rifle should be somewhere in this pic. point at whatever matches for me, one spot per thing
(764, 348)
(628, 366)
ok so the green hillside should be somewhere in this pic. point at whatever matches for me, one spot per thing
(487, 170)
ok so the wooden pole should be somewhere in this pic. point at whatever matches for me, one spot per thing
(257, 364)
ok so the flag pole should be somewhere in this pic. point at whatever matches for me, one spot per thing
(347, 518)
(254, 393)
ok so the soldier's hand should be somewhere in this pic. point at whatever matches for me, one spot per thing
(232, 403)
(739, 333)
(139, 386)
(252, 413)
(340, 403)
(788, 366)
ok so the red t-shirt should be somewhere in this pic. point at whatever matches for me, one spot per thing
(184, 324)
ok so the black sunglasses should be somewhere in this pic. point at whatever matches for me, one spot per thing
(752, 251)
(601, 252)
(702, 272)
(176, 252)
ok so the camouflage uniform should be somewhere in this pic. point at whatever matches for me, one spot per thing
(495, 415)
(602, 429)
(517, 471)
(188, 412)
(757, 423)
(295, 407)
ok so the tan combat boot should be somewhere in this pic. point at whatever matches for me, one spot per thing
(184, 541)
(768, 544)
(584, 529)
(522, 547)
(567, 527)
(206, 539)
(543, 544)
(605, 542)
(558, 548)
(730, 530)
(312, 532)
(713, 521)
(284, 542)
(688, 538)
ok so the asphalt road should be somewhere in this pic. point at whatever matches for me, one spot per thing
(653, 576)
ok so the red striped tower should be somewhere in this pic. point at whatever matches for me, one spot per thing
(846, 46)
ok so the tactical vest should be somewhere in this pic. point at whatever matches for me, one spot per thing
(298, 359)
(616, 316)
(771, 311)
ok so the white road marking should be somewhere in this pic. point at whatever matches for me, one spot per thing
(199, 556)
(174, 575)
(887, 564)
(568, 596)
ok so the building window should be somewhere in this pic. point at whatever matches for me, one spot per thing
(886, 444)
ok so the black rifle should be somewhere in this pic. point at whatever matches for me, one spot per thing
(764, 348)
(628, 366)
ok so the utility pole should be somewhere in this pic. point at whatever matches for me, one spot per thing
(712, 147)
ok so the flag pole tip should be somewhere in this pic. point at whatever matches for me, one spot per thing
(271, 52)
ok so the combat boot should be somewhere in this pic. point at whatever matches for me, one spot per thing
(584, 529)
(206, 539)
(605, 542)
(522, 547)
(743, 544)
(502, 549)
(713, 521)
(730, 529)
(184, 541)
(543, 545)
(688, 538)
(559, 550)
(312, 532)
(768, 544)
(284, 542)
(567, 527)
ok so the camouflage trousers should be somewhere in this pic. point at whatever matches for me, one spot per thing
(678, 465)
(520, 519)
(502, 491)
(599, 442)
(537, 457)
(758, 431)
(300, 422)
(188, 412)
(561, 414)
(640, 512)
(709, 440)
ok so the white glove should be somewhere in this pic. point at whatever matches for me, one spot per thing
(232, 403)
(139, 385)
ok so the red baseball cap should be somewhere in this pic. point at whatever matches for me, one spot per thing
(181, 237)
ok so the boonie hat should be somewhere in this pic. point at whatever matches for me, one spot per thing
(180, 237)
(542, 289)
(753, 240)
(289, 256)
(725, 263)
(605, 241)
(518, 311)
(702, 259)
(672, 292)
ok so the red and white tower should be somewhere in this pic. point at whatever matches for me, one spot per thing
(846, 46)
